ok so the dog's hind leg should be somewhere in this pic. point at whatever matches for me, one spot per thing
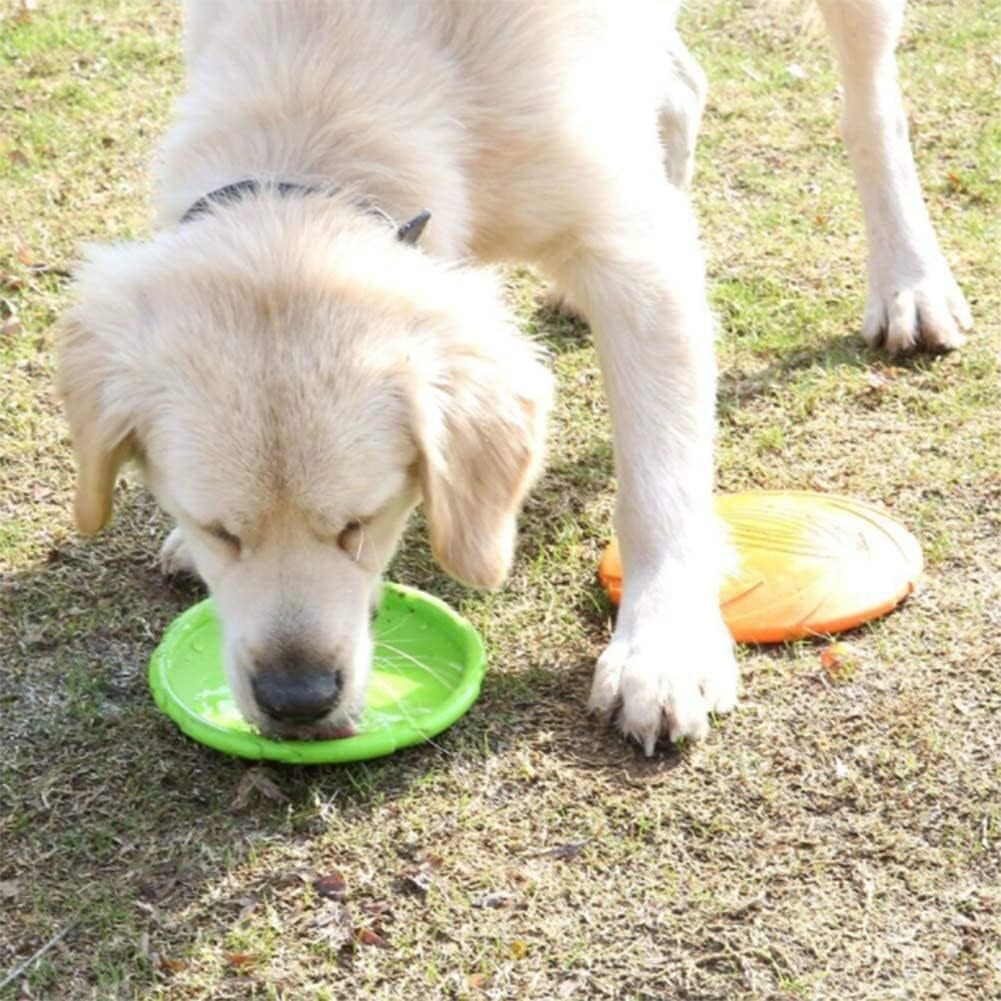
(639, 278)
(913, 299)
(682, 104)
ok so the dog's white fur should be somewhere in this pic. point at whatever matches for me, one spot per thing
(282, 369)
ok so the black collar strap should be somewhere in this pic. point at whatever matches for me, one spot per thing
(409, 232)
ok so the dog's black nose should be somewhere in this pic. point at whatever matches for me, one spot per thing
(299, 697)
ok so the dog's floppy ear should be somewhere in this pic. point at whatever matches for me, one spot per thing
(95, 342)
(480, 422)
(103, 438)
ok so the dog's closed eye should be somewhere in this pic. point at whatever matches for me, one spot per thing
(221, 534)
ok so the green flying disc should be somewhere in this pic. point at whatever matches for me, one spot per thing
(426, 673)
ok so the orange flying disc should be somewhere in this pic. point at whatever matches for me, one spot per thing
(810, 564)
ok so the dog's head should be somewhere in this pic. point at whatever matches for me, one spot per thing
(291, 382)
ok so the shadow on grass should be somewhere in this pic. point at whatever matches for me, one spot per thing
(736, 389)
(114, 824)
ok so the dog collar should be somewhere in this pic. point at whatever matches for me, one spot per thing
(408, 232)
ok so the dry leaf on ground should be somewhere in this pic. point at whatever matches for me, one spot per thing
(331, 886)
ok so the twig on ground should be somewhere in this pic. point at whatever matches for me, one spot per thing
(26, 965)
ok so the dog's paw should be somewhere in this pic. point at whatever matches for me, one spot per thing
(929, 314)
(175, 559)
(666, 681)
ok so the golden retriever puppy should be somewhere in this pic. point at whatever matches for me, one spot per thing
(292, 374)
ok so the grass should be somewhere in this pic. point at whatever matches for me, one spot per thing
(834, 838)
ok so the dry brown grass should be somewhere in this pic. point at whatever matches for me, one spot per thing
(834, 838)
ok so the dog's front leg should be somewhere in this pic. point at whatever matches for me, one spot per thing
(913, 299)
(670, 661)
